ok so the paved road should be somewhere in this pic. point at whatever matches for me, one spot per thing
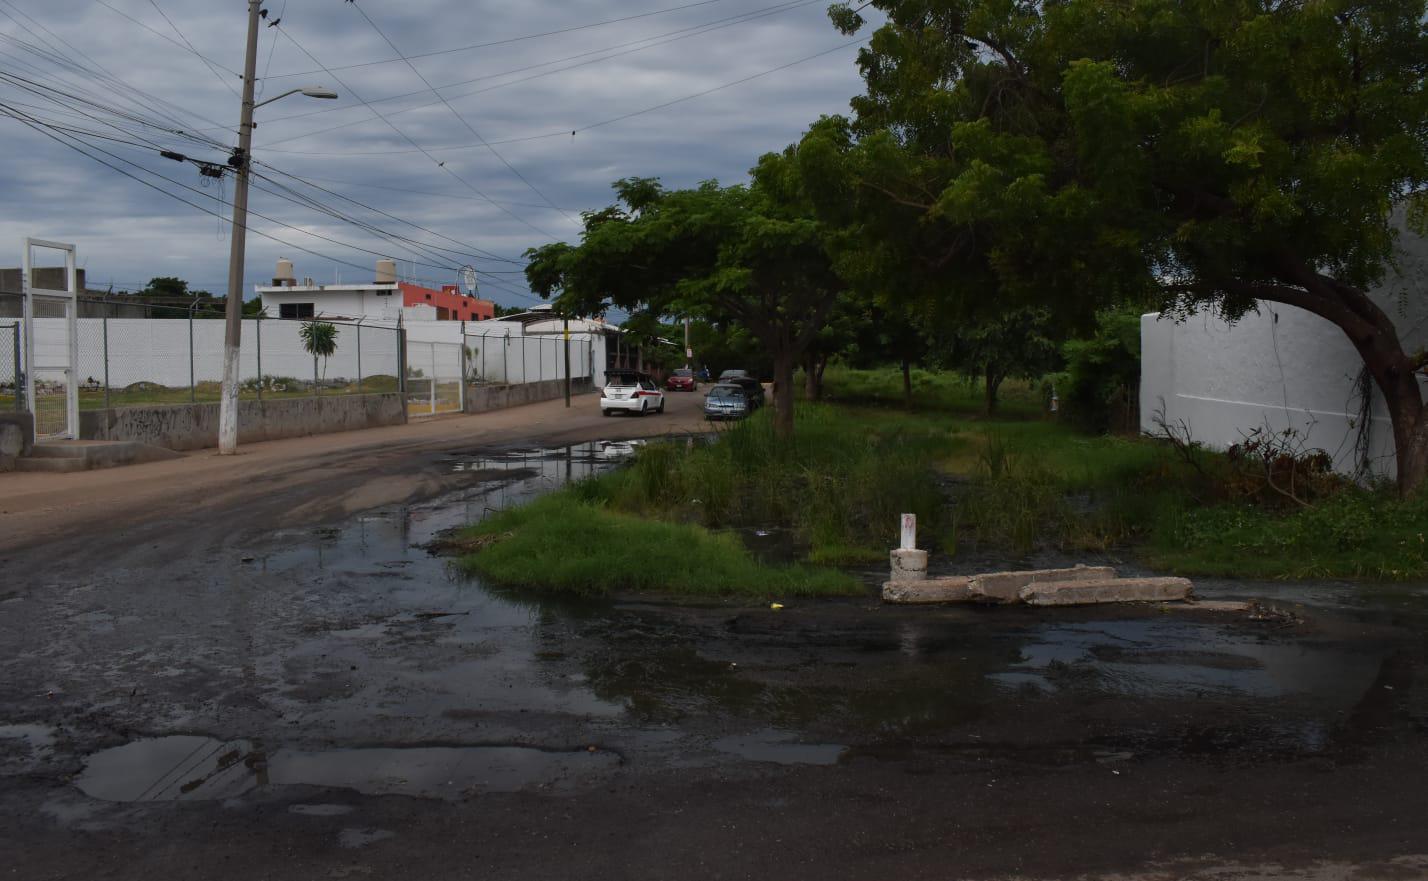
(246, 669)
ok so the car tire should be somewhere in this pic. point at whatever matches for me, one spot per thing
(661, 407)
(643, 408)
(604, 412)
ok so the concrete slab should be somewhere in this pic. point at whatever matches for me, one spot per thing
(1106, 590)
(1005, 587)
(950, 589)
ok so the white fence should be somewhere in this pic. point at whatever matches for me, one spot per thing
(140, 360)
(130, 361)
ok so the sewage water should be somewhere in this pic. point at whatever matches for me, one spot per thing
(351, 658)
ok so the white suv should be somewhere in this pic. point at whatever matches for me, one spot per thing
(631, 392)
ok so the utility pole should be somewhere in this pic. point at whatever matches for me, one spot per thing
(228, 403)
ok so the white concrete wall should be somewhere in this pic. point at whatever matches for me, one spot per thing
(1281, 367)
(157, 350)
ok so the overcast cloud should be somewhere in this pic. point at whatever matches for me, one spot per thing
(127, 233)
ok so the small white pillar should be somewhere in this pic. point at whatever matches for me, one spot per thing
(909, 563)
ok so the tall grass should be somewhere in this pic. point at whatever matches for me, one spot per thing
(932, 391)
(563, 543)
(841, 482)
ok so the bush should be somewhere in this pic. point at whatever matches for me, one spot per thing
(1098, 389)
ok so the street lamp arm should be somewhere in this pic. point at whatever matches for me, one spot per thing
(310, 91)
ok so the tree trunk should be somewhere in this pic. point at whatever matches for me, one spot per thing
(810, 378)
(907, 382)
(994, 382)
(783, 394)
(818, 378)
(1375, 337)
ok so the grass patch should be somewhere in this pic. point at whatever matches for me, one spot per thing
(841, 482)
(563, 542)
(932, 392)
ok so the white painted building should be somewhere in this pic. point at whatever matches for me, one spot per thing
(1282, 368)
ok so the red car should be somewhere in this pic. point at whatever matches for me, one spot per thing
(682, 380)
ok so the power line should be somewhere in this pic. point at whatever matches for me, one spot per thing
(469, 127)
(654, 41)
(75, 144)
(185, 45)
(569, 132)
(115, 84)
(505, 41)
(212, 67)
(440, 164)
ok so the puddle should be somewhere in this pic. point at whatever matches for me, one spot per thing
(192, 768)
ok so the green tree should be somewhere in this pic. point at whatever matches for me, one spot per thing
(751, 255)
(1017, 344)
(1210, 153)
(319, 339)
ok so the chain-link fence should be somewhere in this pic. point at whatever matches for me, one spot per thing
(124, 362)
(512, 360)
(12, 377)
(434, 378)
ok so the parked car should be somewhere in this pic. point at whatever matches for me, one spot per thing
(631, 392)
(682, 380)
(753, 389)
(727, 401)
(732, 374)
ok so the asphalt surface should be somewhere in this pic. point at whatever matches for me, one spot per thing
(257, 670)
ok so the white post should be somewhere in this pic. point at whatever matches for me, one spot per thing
(908, 563)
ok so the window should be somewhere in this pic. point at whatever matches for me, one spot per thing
(295, 310)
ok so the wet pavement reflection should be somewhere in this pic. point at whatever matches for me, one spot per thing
(352, 657)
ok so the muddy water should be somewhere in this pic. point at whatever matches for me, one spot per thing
(351, 658)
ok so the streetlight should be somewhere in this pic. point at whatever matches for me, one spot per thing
(228, 402)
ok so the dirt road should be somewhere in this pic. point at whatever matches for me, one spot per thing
(321, 476)
(252, 669)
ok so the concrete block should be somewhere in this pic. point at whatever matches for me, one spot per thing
(951, 589)
(1106, 590)
(909, 564)
(1005, 587)
(17, 433)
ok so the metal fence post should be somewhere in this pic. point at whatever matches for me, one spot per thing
(19, 386)
(401, 360)
(359, 355)
(505, 356)
(104, 323)
(483, 359)
(431, 382)
(258, 351)
(192, 384)
(461, 383)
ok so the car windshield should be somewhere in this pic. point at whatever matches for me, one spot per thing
(727, 393)
(683, 372)
(622, 380)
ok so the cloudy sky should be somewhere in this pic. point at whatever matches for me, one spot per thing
(523, 92)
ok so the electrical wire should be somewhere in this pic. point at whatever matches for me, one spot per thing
(463, 120)
(212, 67)
(654, 41)
(569, 132)
(394, 127)
(505, 41)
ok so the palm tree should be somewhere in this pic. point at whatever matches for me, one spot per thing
(319, 338)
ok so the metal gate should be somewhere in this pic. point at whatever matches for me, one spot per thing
(51, 345)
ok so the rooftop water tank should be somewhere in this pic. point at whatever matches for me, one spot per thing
(283, 277)
(386, 272)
